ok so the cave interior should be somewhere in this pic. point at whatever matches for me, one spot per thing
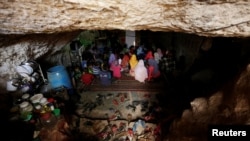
(212, 64)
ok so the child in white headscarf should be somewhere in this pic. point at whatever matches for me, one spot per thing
(141, 73)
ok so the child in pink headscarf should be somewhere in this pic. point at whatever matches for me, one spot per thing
(116, 68)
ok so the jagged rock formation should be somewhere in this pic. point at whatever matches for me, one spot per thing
(229, 18)
(226, 107)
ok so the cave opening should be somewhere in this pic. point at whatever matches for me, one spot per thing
(210, 64)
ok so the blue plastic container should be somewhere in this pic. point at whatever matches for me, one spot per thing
(58, 77)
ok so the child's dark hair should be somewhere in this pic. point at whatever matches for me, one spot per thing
(97, 63)
(105, 66)
(85, 70)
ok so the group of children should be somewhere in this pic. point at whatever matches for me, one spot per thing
(93, 71)
(143, 66)
(144, 69)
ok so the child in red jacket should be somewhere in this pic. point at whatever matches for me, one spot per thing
(87, 79)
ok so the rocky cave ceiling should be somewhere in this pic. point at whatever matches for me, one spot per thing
(226, 18)
(31, 29)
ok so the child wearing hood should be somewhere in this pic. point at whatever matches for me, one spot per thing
(125, 62)
(132, 63)
(141, 72)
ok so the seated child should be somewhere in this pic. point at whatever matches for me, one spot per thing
(125, 62)
(96, 69)
(116, 69)
(132, 63)
(76, 76)
(87, 79)
(105, 75)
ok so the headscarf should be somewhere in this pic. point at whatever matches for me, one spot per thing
(125, 60)
(116, 69)
(141, 73)
(112, 58)
(159, 52)
(158, 55)
(133, 61)
(149, 55)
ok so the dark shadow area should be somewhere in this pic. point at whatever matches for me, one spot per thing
(212, 70)
(12, 130)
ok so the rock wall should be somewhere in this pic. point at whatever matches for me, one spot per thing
(228, 18)
(229, 106)
(16, 49)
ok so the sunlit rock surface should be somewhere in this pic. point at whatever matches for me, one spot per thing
(229, 18)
